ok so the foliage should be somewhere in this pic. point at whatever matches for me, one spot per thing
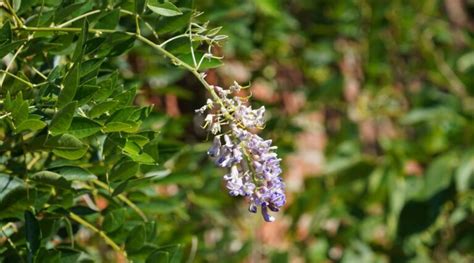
(369, 101)
(74, 145)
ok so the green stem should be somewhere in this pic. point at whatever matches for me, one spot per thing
(12, 11)
(38, 72)
(172, 39)
(79, 17)
(165, 52)
(29, 84)
(191, 44)
(150, 27)
(137, 25)
(69, 29)
(123, 199)
(102, 234)
(10, 64)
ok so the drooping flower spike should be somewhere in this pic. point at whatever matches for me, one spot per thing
(254, 167)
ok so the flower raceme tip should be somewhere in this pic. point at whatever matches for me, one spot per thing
(253, 166)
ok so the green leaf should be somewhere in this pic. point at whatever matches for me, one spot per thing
(114, 219)
(16, 5)
(73, 9)
(136, 239)
(428, 114)
(83, 127)
(79, 51)
(86, 92)
(464, 177)
(75, 173)
(142, 158)
(165, 9)
(50, 178)
(126, 98)
(71, 154)
(67, 146)
(6, 33)
(19, 113)
(158, 257)
(181, 46)
(82, 210)
(132, 148)
(125, 114)
(177, 252)
(70, 255)
(129, 126)
(33, 234)
(269, 7)
(93, 44)
(102, 108)
(121, 188)
(173, 24)
(70, 84)
(173, 252)
(116, 44)
(10, 47)
(140, 6)
(465, 62)
(11, 188)
(48, 256)
(108, 84)
(151, 233)
(30, 124)
(438, 176)
(90, 66)
(214, 31)
(110, 20)
(124, 170)
(62, 119)
(138, 139)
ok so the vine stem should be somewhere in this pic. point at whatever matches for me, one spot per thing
(10, 64)
(140, 18)
(26, 82)
(29, 84)
(79, 17)
(15, 16)
(102, 234)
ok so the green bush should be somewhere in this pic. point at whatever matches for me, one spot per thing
(76, 149)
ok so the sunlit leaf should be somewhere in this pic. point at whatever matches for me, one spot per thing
(164, 9)
(62, 119)
(83, 127)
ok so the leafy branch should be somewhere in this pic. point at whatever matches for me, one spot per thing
(69, 122)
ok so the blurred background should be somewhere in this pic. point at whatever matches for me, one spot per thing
(371, 104)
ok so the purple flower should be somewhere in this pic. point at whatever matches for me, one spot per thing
(216, 147)
(254, 167)
(234, 180)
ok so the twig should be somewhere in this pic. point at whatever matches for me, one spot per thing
(102, 234)
(79, 17)
(10, 64)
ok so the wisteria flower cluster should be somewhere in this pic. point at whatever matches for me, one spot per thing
(254, 167)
